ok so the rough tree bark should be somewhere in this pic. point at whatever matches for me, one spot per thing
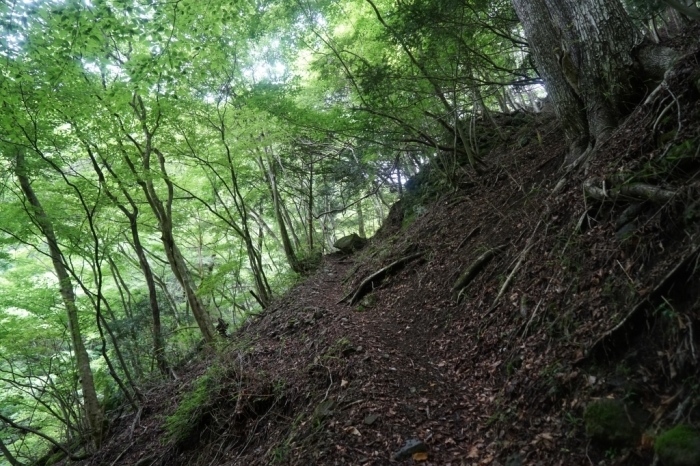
(595, 63)
(41, 219)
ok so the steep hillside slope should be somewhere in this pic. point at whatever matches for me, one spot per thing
(522, 297)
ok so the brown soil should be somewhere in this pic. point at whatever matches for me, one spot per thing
(477, 383)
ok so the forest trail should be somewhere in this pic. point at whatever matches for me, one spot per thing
(580, 304)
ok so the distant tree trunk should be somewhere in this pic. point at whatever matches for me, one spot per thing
(132, 215)
(270, 176)
(310, 218)
(593, 60)
(125, 296)
(38, 215)
(263, 224)
(378, 207)
(163, 213)
(397, 167)
(290, 226)
(360, 220)
(501, 99)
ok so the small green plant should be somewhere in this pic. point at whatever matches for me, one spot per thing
(278, 387)
(279, 453)
(513, 366)
(666, 311)
(573, 420)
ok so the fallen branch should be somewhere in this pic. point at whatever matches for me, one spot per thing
(368, 283)
(636, 317)
(473, 270)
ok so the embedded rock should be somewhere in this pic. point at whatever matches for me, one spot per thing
(351, 243)
(412, 446)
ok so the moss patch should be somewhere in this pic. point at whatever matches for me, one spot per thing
(612, 423)
(679, 446)
(184, 423)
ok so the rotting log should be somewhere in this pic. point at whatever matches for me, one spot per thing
(473, 270)
(596, 188)
(369, 282)
(635, 319)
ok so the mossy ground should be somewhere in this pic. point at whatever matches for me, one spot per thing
(679, 446)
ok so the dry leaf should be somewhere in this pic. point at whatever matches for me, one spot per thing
(421, 456)
(473, 452)
(343, 383)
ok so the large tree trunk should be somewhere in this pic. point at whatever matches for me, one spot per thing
(92, 405)
(593, 60)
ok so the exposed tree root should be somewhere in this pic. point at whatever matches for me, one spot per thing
(620, 334)
(523, 254)
(473, 270)
(471, 234)
(596, 188)
(368, 283)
